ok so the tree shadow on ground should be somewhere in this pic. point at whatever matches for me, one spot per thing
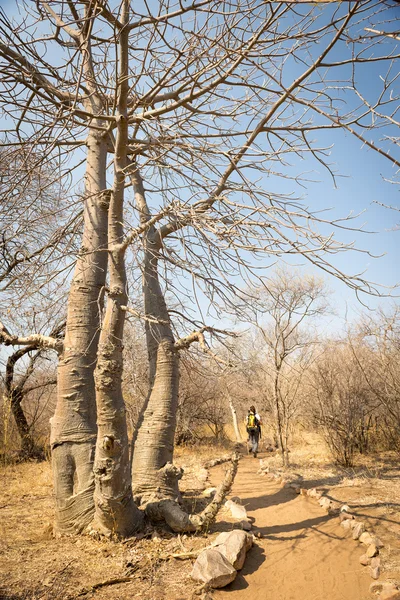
(273, 532)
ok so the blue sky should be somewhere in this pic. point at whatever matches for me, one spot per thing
(361, 185)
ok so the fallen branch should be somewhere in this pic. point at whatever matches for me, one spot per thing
(101, 584)
(180, 521)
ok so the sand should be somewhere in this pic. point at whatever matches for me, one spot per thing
(303, 553)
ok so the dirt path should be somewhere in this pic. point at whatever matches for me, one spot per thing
(302, 555)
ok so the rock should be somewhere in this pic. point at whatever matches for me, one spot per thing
(378, 543)
(298, 490)
(324, 502)
(236, 499)
(312, 492)
(366, 538)
(386, 587)
(345, 508)
(303, 492)
(344, 517)
(372, 550)
(334, 508)
(358, 530)
(346, 524)
(375, 572)
(318, 495)
(202, 475)
(212, 568)
(365, 560)
(245, 525)
(237, 511)
(390, 595)
(234, 547)
(375, 562)
(209, 492)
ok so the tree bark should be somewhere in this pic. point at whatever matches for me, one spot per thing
(115, 511)
(154, 476)
(14, 394)
(73, 426)
(235, 420)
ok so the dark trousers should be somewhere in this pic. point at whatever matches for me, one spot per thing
(254, 436)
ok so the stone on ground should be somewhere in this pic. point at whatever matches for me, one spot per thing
(384, 586)
(375, 572)
(365, 560)
(366, 538)
(209, 492)
(236, 499)
(212, 568)
(202, 475)
(324, 502)
(237, 511)
(346, 524)
(372, 550)
(390, 595)
(358, 530)
(245, 525)
(234, 546)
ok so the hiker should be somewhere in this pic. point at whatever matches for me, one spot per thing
(253, 427)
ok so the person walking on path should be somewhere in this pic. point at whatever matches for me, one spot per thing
(253, 427)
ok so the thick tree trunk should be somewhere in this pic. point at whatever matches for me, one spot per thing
(154, 476)
(73, 427)
(153, 473)
(115, 511)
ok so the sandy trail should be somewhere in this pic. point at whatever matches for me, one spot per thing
(303, 554)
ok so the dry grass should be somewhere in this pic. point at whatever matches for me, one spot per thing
(35, 566)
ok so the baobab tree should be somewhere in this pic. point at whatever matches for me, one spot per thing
(199, 106)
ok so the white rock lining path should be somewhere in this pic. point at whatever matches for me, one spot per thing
(372, 544)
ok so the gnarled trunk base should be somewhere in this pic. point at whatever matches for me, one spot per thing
(74, 486)
(180, 521)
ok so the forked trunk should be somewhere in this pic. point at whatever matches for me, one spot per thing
(155, 478)
(153, 473)
(115, 511)
(73, 426)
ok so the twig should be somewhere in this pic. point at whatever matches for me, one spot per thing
(101, 584)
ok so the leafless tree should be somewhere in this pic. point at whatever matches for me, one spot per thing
(340, 402)
(17, 387)
(200, 106)
(289, 304)
(375, 348)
